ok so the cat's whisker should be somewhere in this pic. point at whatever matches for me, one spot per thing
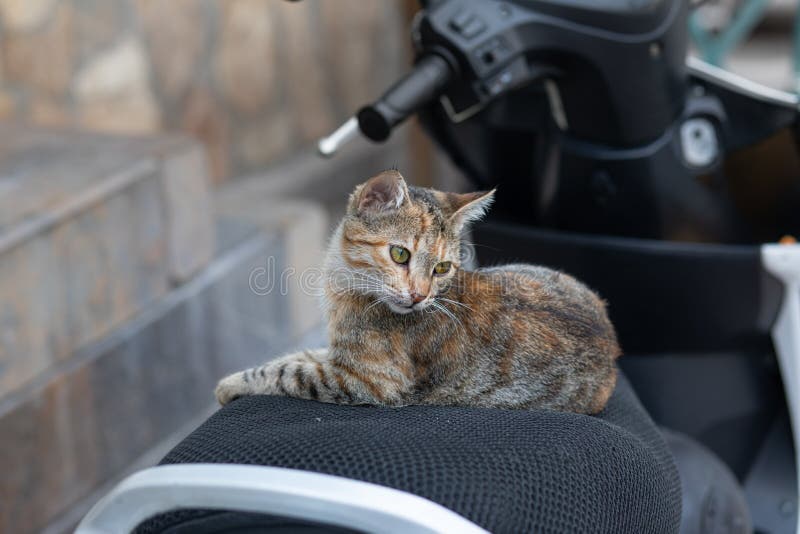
(372, 284)
(365, 287)
(455, 303)
(447, 312)
(356, 289)
(377, 301)
(361, 284)
(471, 244)
(366, 277)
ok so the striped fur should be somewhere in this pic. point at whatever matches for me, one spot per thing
(517, 336)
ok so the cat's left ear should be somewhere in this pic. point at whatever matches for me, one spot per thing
(469, 207)
(384, 192)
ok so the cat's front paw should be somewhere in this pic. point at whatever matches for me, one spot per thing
(231, 387)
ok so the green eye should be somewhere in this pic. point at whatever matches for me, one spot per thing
(399, 254)
(442, 268)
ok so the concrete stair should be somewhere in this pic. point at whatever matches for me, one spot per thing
(92, 229)
(124, 297)
(87, 419)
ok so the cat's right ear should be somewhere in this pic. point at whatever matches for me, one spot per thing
(469, 207)
(384, 192)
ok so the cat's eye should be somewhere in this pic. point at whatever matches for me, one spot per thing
(399, 254)
(442, 267)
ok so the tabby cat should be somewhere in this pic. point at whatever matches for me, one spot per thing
(408, 325)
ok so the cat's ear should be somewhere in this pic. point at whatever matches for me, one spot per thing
(469, 207)
(384, 192)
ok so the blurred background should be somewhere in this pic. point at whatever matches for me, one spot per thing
(254, 81)
(158, 176)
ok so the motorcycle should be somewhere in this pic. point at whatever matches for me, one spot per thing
(670, 186)
(663, 182)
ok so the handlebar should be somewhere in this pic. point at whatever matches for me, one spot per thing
(425, 82)
(417, 88)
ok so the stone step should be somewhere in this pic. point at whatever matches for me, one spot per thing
(83, 422)
(93, 228)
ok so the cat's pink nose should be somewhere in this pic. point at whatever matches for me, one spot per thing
(416, 297)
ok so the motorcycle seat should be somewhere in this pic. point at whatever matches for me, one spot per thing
(505, 470)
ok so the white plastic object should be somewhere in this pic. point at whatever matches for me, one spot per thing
(328, 146)
(271, 490)
(783, 262)
(699, 142)
(739, 84)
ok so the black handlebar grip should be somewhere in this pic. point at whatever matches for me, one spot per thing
(424, 83)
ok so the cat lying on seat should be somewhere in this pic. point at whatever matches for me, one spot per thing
(407, 325)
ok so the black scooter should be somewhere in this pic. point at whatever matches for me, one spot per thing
(666, 185)
(658, 181)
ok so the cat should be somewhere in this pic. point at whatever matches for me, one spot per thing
(408, 325)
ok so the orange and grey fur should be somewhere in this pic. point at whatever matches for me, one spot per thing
(408, 325)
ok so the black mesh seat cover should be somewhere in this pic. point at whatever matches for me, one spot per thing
(506, 470)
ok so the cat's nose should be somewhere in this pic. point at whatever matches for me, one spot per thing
(416, 297)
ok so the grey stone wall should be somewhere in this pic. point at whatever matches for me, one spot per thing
(254, 80)
(93, 229)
